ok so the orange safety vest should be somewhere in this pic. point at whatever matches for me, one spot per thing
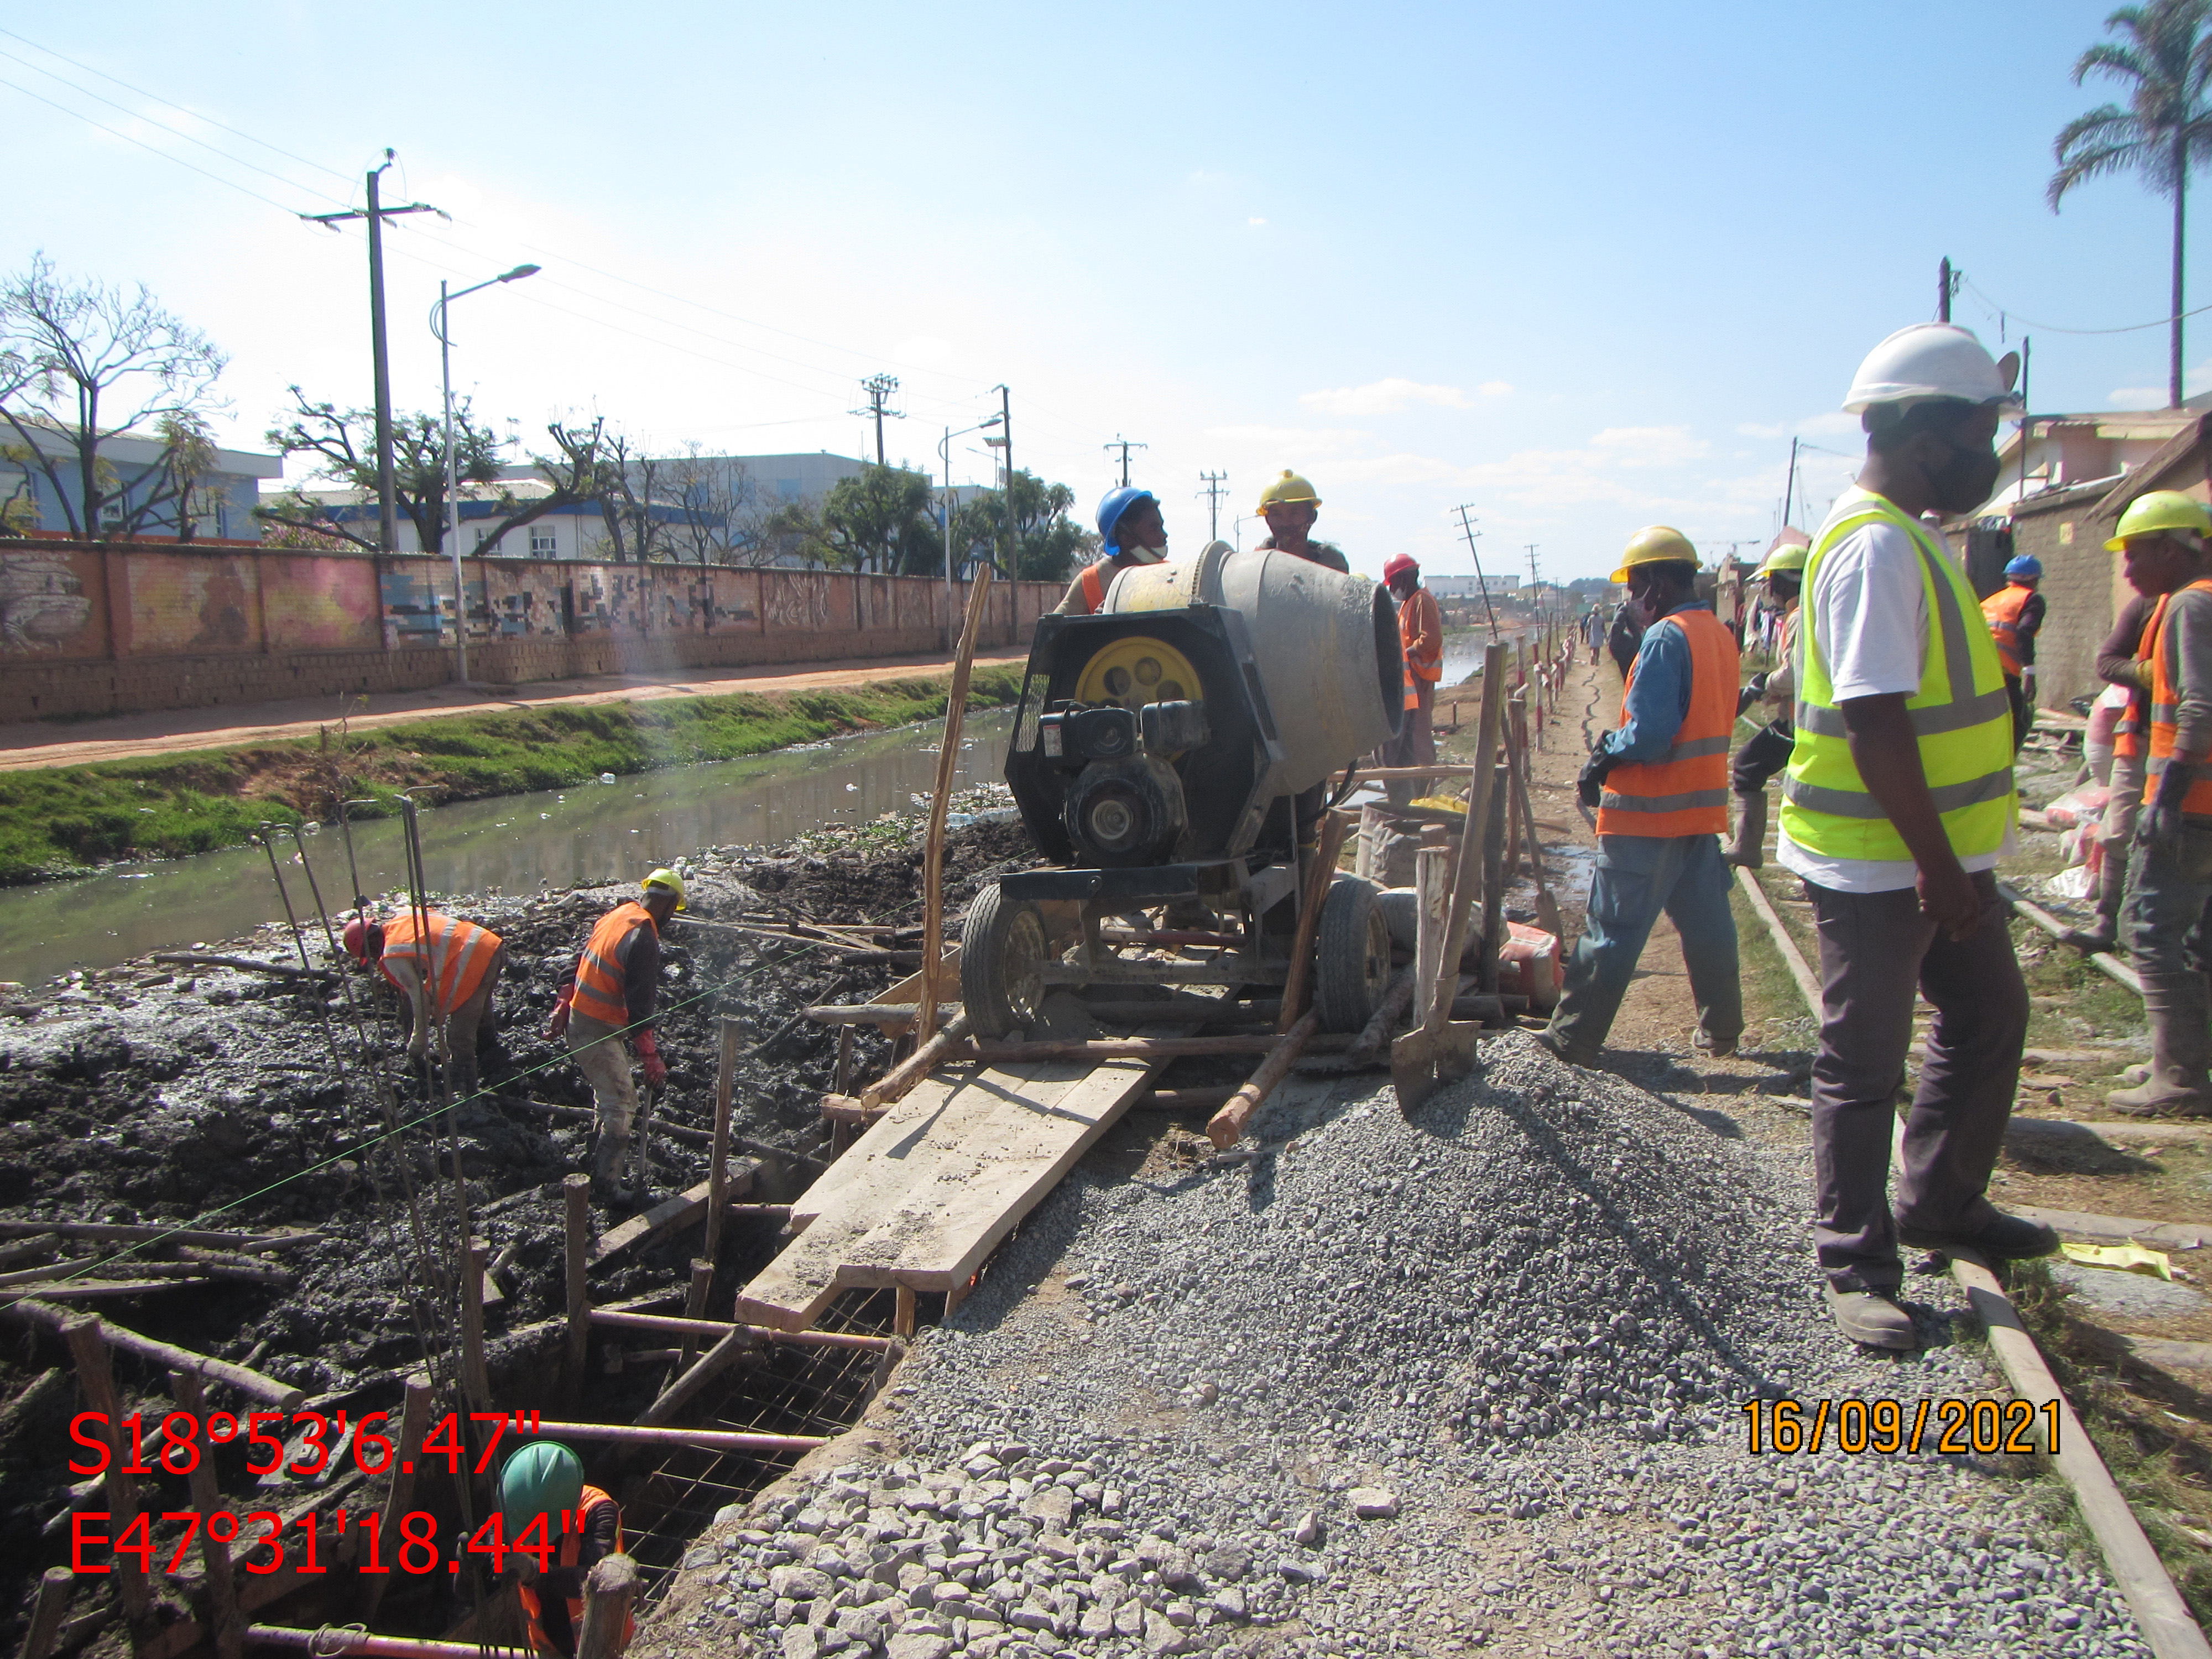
(1094, 587)
(1420, 615)
(602, 992)
(2002, 609)
(1684, 791)
(571, 1553)
(458, 958)
(2165, 708)
(2127, 730)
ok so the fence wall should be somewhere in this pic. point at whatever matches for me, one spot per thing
(94, 630)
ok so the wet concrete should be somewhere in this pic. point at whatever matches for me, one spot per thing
(510, 844)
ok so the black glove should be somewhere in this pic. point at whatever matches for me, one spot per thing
(1754, 690)
(1589, 787)
(2160, 823)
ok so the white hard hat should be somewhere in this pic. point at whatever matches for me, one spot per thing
(1934, 360)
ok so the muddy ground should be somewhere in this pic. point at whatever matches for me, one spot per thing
(158, 1093)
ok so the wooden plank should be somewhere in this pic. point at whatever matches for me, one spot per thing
(2119, 1229)
(681, 1211)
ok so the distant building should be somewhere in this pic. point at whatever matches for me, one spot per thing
(2064, 451)
(222, 502)
(1470, 587)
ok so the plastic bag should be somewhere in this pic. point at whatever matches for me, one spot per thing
(2083, 805)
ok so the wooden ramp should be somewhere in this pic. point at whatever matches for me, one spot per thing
(938, 1181)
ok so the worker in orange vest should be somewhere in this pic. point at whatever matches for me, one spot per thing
(547, 1513)
(2014, 613)
(425, 952)
(1421, 636)
(1660, 784)
(613, 993)
(1133, 532)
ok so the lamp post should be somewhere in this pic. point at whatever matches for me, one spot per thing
(452, 467)
(944, 456)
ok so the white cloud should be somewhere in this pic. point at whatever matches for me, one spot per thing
(1325, 440)
(1256, 223)
(1389, 396)
(2137, 397)
(1649, 446)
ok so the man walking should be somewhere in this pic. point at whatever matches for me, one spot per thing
(2015, 614)
(1593, 632)
(1421, 637)
(1898, 800)
(1660, 785)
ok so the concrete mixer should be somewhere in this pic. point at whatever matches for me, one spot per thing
(1159, 749)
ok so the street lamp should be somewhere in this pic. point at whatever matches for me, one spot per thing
(945, 455)
(453, 470)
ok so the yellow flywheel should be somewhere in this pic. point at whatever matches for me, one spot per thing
(1136, 670)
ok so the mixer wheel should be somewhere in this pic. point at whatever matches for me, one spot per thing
(1352, 955)
(1002, 956)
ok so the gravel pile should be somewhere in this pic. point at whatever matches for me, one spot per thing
(1473, 1381)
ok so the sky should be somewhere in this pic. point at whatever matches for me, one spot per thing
(1579, 268)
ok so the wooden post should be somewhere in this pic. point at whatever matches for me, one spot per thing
(1298, 988)
(932, 856)
(1227, 1125)
(414, 1424)
(475, 1382)
(841, 1080)
(917, 1066)
(88, 1346)
(608, 1594)
(903, 1311)
(207, 1498)
(1432, 887)
(1493, 880)
(718, 1173)
(576, 1190)
(1516, 745)
(732, 1347)
(1374, 825)
(54, 1587)
(695, 1302)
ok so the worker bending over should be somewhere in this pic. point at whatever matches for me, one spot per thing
(1133, 532)
(613, 992)
(545, 1504)
(2170, 872)
(1660, 785)
(420, 950)
(1290, 507)
(2015, 614)
(1421, 636)
(2161, 542)
(1898, 799)
(1767, 750)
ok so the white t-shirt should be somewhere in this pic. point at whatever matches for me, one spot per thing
(1869, 608)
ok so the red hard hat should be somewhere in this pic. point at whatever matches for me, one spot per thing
(357, 937)
(1397, 566)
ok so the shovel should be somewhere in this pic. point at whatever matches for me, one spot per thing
(1438, 1051)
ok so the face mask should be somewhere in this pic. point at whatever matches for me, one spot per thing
(1145, 555)
(1965, 481)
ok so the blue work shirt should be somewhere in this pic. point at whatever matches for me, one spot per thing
(1659, 702)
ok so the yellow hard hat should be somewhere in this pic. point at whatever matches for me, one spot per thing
(1289, 490)
(1787, 558)
(666, 881)
(1655, 543)
(2157, 510)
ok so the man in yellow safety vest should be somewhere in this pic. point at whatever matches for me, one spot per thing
(1898, 799)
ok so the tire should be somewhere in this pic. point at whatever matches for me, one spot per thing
(1352, 955)
(1002, 954)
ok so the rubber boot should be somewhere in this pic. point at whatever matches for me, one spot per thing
(2179, 1008)
(1748, 849)
(2111, 887)
(610, 1176)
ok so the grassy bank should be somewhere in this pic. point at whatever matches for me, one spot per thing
(64, 820)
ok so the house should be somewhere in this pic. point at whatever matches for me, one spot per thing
(573, 531)
(221, 504)
(2064, 451)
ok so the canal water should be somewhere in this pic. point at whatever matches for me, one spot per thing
(513, 844)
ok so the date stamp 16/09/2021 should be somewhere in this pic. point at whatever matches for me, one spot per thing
(1950, 1427)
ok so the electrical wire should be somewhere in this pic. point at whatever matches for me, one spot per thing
(2011, 315)
(117, 132)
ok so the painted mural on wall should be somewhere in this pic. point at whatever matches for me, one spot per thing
(191, 605)
(45, 603)
(311, 604)
(792, 598)
(525, 602)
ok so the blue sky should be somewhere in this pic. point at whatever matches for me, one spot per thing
(1585, 267)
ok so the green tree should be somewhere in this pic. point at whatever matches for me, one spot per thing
(881, 520)
(2165, 60)
(1050, 543)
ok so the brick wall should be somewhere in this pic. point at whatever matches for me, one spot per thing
(2081, 588)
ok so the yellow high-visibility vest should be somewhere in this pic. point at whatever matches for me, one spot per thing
(1960, 715)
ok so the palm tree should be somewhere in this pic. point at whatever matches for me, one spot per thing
(2165, 59)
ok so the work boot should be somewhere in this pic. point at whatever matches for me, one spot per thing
(1873, 1317)
(610, 1178)
(1998, 1236)
(2111, 887)
(2179, 1008)
(1748, 849)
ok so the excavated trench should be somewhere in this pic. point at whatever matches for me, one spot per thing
(191, 1095)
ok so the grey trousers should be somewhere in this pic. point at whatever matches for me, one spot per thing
(603, 1059)
(1876, 949)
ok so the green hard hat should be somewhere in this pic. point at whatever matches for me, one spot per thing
(544, 1478)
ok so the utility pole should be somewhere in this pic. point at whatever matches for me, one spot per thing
(1467, 529)
(1125, 445)
(1947, 284)
(1005, 440)
(387, 517)
(879, 388)
(1535, 581)
(2026, 420)
(1216, 487)
(1790, 488)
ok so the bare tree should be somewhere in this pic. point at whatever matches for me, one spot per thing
(82, 363)
(717, 505)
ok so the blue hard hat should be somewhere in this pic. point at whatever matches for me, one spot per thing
(1111, 510)
(2025, 565)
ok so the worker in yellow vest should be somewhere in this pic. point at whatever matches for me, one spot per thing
(1421, 637)
(548, 1514)
(1898, 799)
(613, 993)
(1131, 532)
(2014, 613)
(1660, 784)
(2170, 870)
(427, 955)
(1774, 694)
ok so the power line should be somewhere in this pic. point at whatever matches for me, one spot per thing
(1217, 486)
(878, 388)
(1125, 445)
(2011, 315)
(117, 132)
